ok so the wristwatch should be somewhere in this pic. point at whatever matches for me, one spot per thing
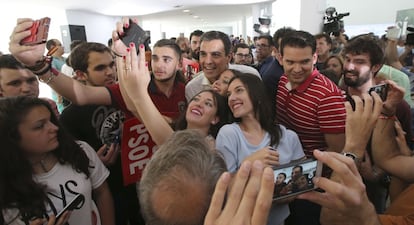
(352, 156)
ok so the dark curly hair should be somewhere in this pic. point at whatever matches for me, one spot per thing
(17, 188)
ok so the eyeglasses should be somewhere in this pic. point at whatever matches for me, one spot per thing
(261, 46)
(240, 55)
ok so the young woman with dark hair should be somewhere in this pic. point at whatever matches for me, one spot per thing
(42, 169)
(254, 135)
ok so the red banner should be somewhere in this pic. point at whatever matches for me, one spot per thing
(137, 149)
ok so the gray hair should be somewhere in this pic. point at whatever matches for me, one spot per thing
(184, 160)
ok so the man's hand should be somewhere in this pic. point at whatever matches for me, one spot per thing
(249, 199)
(394, 97)
(361, 121)
(345, 200)
(28, 55)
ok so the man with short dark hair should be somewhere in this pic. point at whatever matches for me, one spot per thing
(215, 56)
(16, 80)
(363, 58)
(311, 105)
(323, 49)
(242, 54)
(269, 68)
(195, 37)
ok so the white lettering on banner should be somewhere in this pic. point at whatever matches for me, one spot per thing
(138, 151)
(140, 129)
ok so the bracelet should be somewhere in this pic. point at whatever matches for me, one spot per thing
(42, 66)
(54, 73)
(44, 70)
(38, 66)
(49, 79)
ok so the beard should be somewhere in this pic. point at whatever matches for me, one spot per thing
(195, 55)
(165, 80)
(359, 81)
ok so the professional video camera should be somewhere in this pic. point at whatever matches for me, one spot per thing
(333, 23)
(263, 27)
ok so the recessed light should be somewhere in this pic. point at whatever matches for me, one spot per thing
(186, 10)
(195, 17)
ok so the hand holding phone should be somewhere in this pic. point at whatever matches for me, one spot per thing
(76, 202)
(381, 89)
(38, 32)
(295, 178)
(134, 34)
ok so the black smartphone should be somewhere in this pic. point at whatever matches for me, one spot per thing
(134, 33)
(381, 89)
(38, 32)
(295, 178)
(74, 204)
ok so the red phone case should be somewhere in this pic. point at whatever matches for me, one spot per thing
(38, 32)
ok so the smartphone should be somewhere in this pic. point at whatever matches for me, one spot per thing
(393, 33)
(381, 89)
(38, 32)
(135, 34)
(72, 205)
(295, 178)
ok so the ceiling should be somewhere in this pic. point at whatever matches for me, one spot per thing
(139, 7)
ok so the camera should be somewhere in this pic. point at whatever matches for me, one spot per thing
(263, 27)
(333, 23)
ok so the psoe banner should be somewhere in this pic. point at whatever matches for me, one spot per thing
(137, 149)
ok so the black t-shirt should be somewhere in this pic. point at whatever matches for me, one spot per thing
(97, 125)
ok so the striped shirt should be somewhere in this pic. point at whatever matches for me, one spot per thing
(314, 108)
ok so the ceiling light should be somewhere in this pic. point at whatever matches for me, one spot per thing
(195, 17)
(186, 11)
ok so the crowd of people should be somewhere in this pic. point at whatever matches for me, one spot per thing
(191, 131)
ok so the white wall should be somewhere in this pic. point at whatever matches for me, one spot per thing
(9, 12)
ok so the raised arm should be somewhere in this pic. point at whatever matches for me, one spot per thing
(386, 153)
(33, 56)
(134, 78)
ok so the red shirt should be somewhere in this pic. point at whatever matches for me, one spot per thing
(312, 109)
(169, 106)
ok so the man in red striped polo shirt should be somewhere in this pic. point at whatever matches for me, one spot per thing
(311, 105)
(307, 101)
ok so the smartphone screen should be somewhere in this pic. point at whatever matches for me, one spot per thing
(381, 89)
(135, 34)
(76, 203)
(295, 178)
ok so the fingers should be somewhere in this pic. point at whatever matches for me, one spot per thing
(142, 63)
(120, 28)
(264, 198)
(377, 105)
(345, 184)
(217, 199)
(134, 57)
(237, 188)
(251, 191)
